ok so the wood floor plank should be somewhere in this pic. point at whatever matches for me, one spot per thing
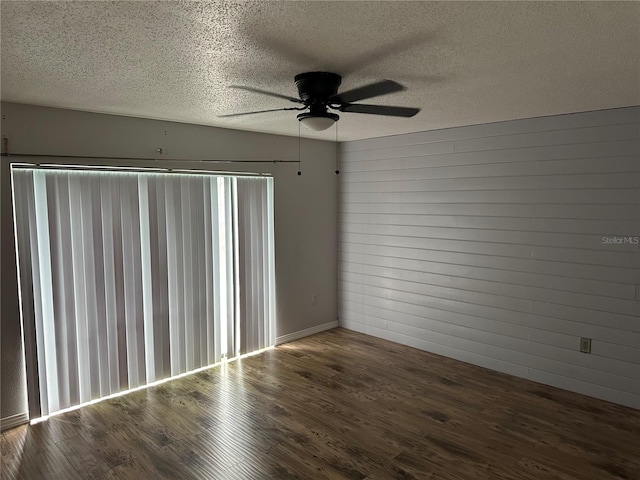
(13, 458)
(337, 405)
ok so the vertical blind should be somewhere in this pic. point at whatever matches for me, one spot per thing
(129, 278)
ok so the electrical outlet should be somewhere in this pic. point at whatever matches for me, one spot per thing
(585, 345)
(314, 299)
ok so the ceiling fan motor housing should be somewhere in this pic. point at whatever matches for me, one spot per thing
(317, 87)
(316, 90)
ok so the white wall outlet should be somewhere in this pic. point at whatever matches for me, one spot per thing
(585, 345)
(314, 299)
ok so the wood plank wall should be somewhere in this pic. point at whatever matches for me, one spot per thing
(485, 244)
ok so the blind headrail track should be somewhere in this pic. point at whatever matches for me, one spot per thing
(189, 162)
(146, 159)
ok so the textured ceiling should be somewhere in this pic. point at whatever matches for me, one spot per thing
(462, 62)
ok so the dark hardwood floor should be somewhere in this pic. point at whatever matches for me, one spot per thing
(335, 405)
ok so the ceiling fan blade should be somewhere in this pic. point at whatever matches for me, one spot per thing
(368, 91)
(380, 110)
(265, 92)
(259, 111)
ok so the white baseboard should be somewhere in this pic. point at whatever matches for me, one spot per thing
(306, 332)
(13, 421)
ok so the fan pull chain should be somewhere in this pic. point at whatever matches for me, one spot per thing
(337, 170)
(299, 172)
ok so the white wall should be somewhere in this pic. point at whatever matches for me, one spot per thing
(484, 244)
(305, 206)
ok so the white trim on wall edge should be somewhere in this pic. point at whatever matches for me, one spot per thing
(306, 332)
(13, 421)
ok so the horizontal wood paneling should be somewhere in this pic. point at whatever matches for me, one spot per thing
(530, 182)
(582, 135)
(485, 243)
(534, 279)
(411, 290)
(619, 116)
(611, 274)
(488, 235)
(381, 275)
(506, 169)
(616, 343)
(398, 159)
(610, 196)
(583, 256)
(560, 225)
(587, 211)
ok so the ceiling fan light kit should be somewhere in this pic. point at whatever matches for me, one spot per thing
(317, 121)
(318, 92)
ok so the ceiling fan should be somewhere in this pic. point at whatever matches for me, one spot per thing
(318, 92)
